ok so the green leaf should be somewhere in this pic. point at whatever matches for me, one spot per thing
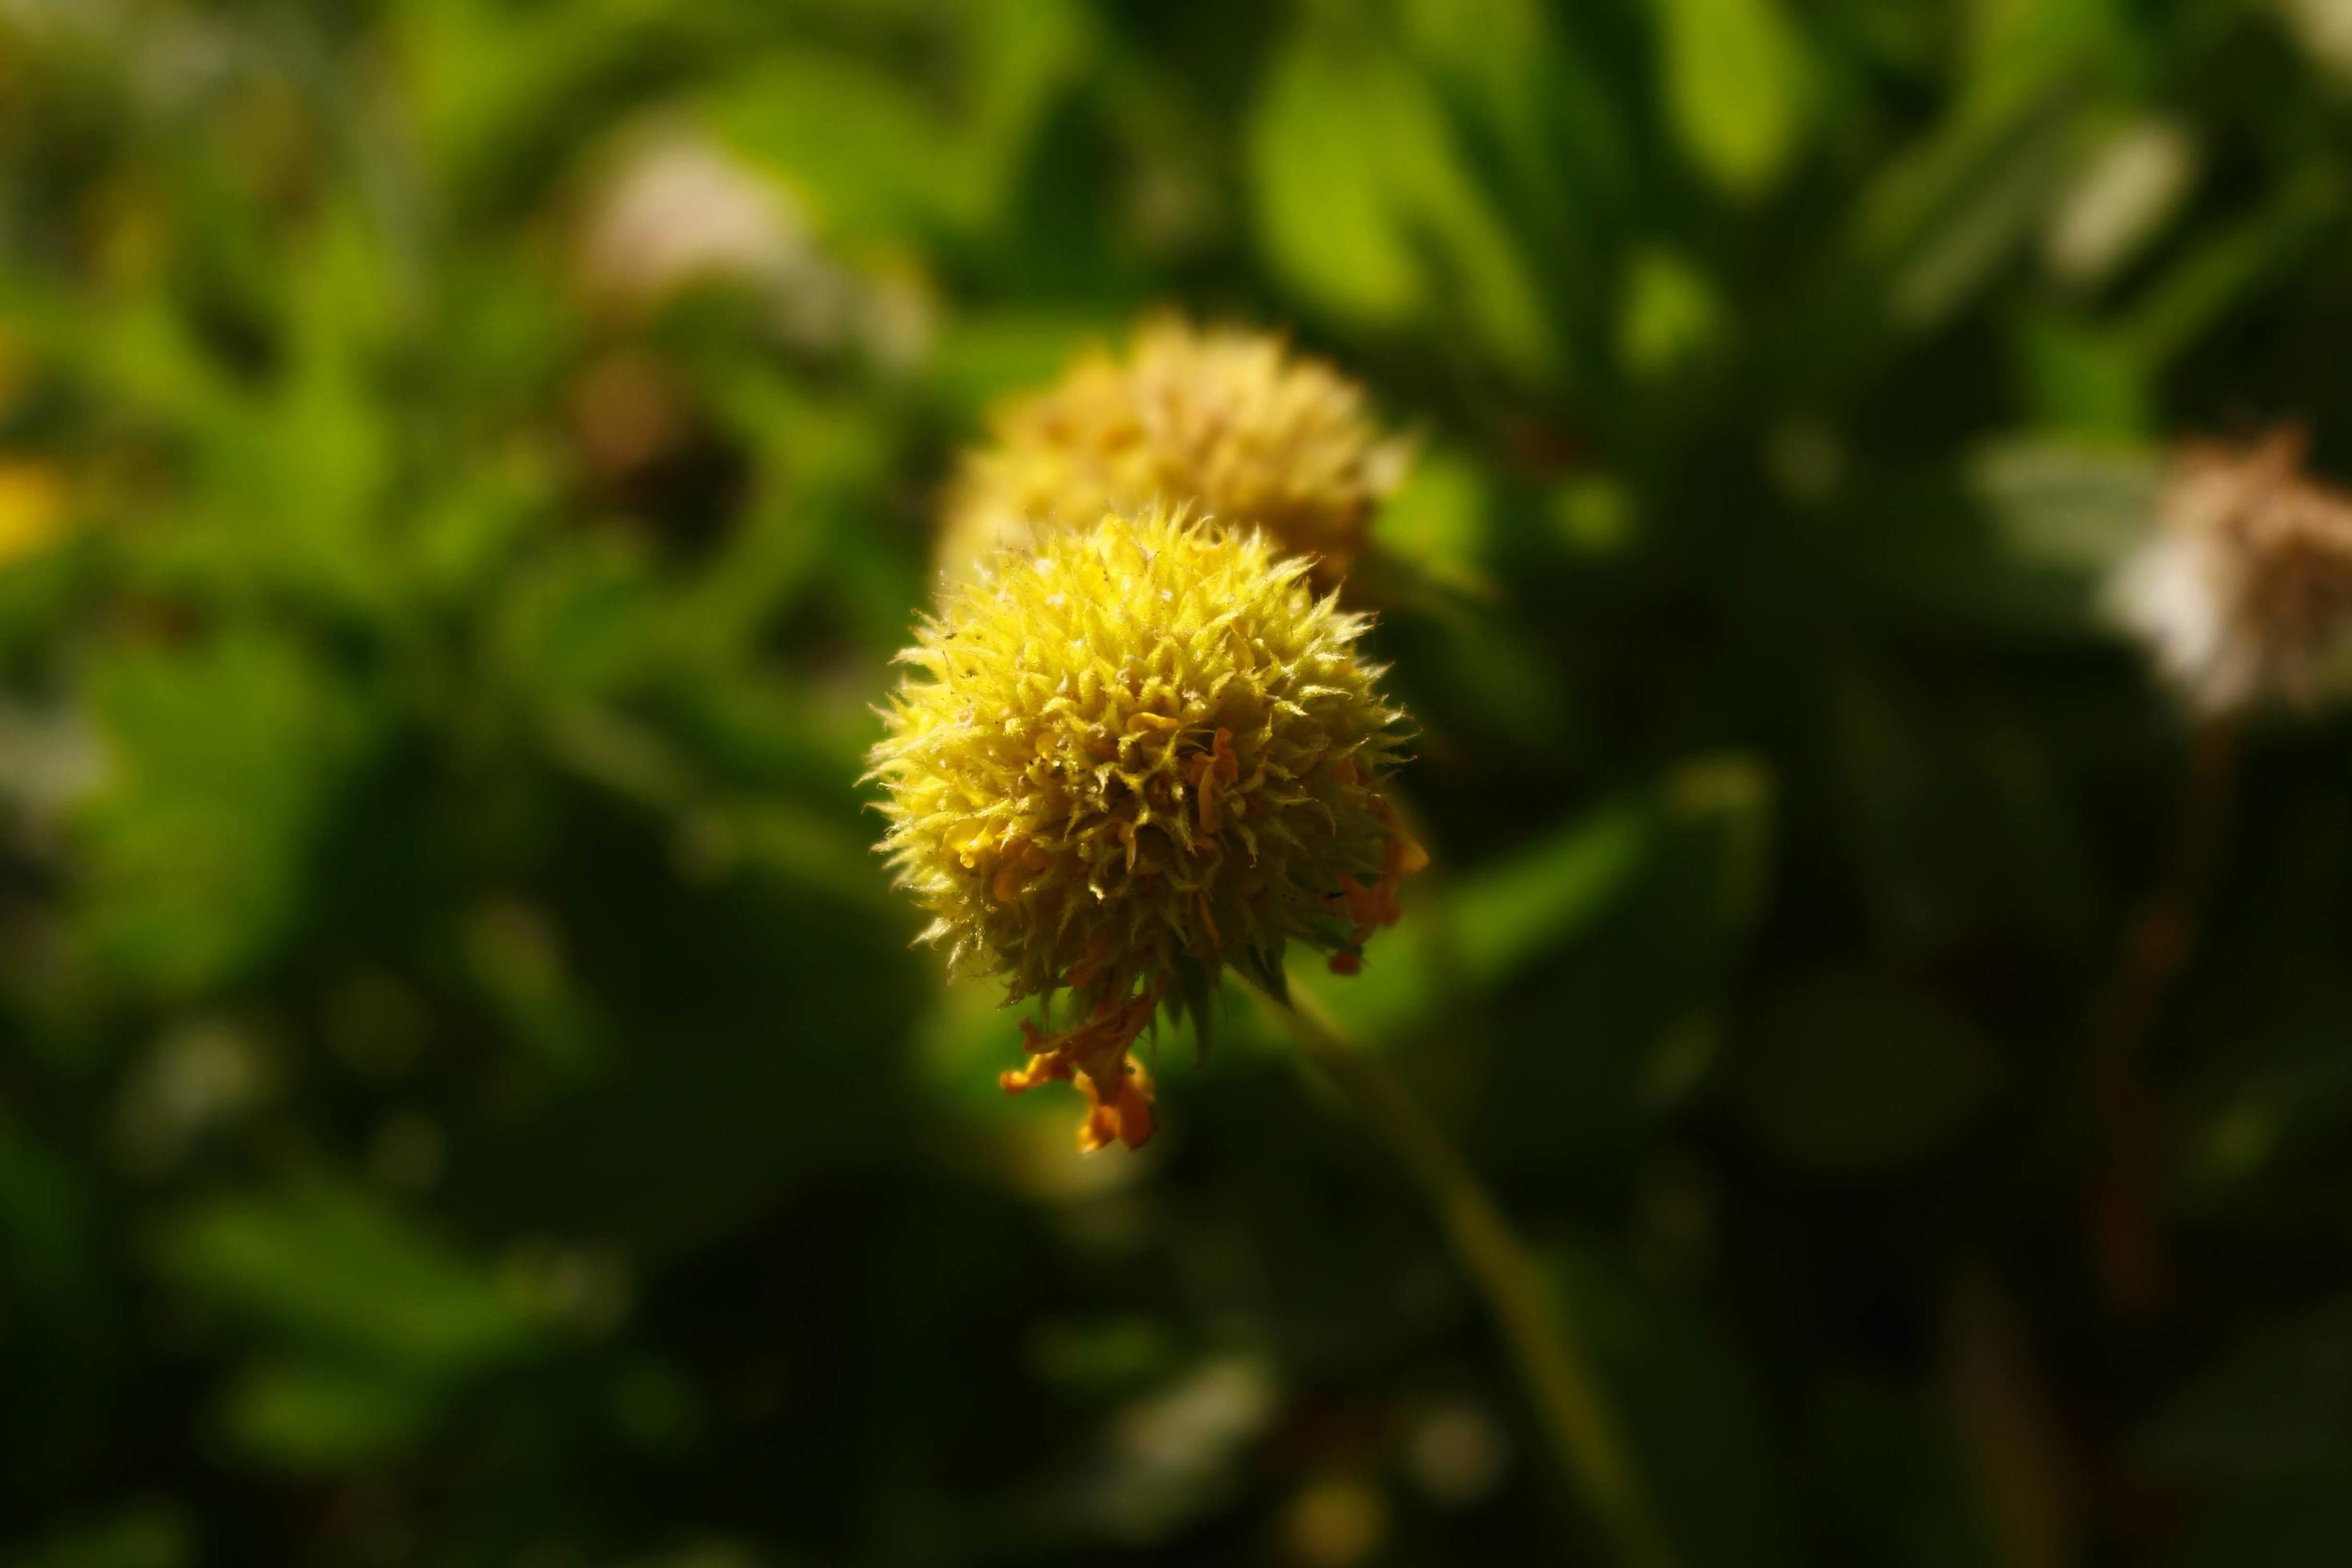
(2013, 48)
(983, 357)
(1024, 55)
(872, 160)
(2133, 185)
(2234, 267)
(1492, 925)
(1365, 204)
(225, 762)
(2064, 506)
(336, 1267)
(315, 1416)
(1325, 212)
(2003, 196)
(1935, 225)
(1734, 83)
(1673, 313)
(1532, 901)
(1437, 524)
(2087, 381)
(1615, 931)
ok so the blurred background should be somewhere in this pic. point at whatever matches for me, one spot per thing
(467, 1095)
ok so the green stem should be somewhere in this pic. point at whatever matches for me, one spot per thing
(1535, 1330)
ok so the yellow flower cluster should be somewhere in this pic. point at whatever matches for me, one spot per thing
(1229, 422)
(1127, 758)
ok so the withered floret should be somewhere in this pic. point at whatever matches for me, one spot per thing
(2244, 591)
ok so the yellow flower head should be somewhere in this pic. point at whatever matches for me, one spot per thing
(35, 507)
(1141, 752)
(1227, 420)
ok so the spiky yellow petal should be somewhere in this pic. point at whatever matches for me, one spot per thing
(1140, 753)
(1229, 421)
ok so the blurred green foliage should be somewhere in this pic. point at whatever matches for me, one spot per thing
(466, 1096)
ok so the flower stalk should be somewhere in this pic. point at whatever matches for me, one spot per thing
(1537, 1333)
(2122, 1205)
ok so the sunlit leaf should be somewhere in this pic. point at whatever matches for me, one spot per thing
(1672, 314)
(1366, 205)
(1734, 82)
(1437, 522)
(222, 767)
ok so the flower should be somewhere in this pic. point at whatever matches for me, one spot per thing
(2243, 594)
(1228, 420)
(35, 507)
(676, 212)
(680, 210)
(1126, 759)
